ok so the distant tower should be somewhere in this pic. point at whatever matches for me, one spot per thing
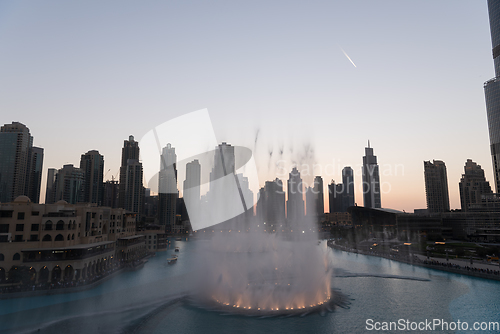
(335, 197)
(295, 203)
(371, 180)
(130, 150)
(191, 191)
(133, 187)
(492, 91)
(50, 190)
(35, 174)
(69, 184)
(320, 197)
(436, 186)
(168, 192)
(348, 188)
(472, 185)
(92, 164)
(15, 154)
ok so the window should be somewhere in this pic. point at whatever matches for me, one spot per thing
(48, 226)
(47, 237)
(19, 227)
(35, 227)
(34, 237)
(93, 214)
(18, 238)
(4, 228)
(2, 257)
(20, 216)
(35, 213)
(16, 257)
(5, 213)
(60, 225)
(59, 237)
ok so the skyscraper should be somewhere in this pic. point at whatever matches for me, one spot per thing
(492, 91)
(133, 187)
(35, 174)
(50, 190)
(335, 197)
(18, 176)
(168, 192)
(92, 164)
(472, 185)
(436, 186)
(348, 188)
(69, 184)
(295, 202)
(130, 150)
(371, 180)
(319, 196)
(191, 187)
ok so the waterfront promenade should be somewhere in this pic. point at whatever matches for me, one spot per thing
(457, 266)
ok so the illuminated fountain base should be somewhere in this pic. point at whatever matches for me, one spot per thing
(264, 275)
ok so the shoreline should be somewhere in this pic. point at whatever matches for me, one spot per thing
(415, 261)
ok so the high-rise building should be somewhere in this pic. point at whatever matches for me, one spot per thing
(271, 205)
(130, 150)
(69, 184)
(473, 185)
(371, 180)
(16, 151)
(92, 164)
(348, 188)
(50, 190)
(436, 186)
(492, 91)
(335, 197)
(168, 192)
(110, 196)
(35, 174)
(191, 191)
(133, 187)
(295, 202)
(319, 196)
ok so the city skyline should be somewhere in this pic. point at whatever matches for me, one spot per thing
(406, 88)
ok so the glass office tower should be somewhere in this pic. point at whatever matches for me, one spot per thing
(492, 91)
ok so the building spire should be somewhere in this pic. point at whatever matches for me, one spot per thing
(368, 143)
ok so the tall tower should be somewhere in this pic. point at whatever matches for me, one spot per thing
(133, 187)
(35, 174)
(295, 203)
(348, 185)
(92, 164)
(492, 91)
(69, 184)
(320, 197)
(472, 185)
(50, 190)
(167, 188)
(191, 187)
(130, 150)
(371, 180)
(436, 186)
(15, 152)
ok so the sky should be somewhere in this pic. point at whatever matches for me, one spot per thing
(315, 79)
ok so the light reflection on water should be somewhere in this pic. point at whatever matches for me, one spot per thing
(150, 301)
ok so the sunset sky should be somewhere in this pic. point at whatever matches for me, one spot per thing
(316, 79)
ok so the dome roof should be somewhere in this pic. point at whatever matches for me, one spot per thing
(61, 202)
(22, 199)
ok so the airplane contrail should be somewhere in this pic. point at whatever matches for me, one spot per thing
(348, 57)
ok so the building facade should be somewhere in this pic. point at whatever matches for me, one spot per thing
(473, 185)
(492, 91)
(371, 180)
(92, 165)
(295, 191)
(130, 150)
(20, 163)
(64, 242)
(168, 193)
(436, 186)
